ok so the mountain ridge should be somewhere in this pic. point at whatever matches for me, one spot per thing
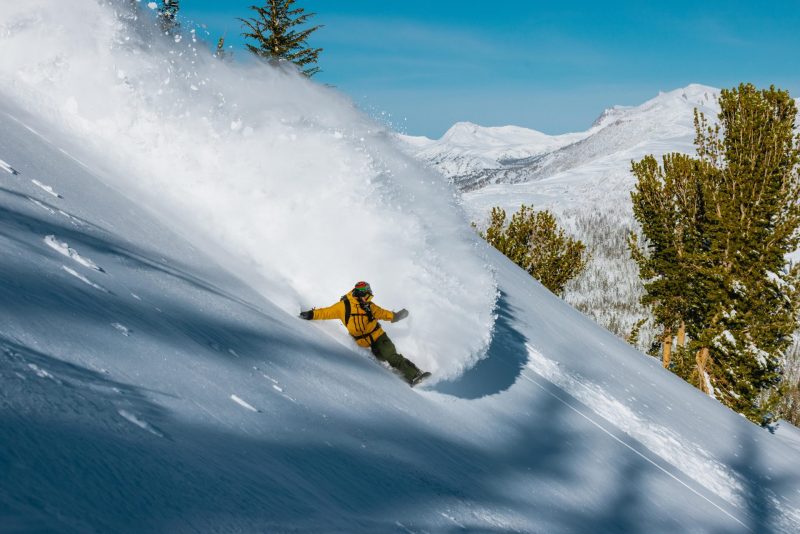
(473, 156)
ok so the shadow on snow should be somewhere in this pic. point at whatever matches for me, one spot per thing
(500, 369)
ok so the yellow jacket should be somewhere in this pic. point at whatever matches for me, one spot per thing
(364, 330)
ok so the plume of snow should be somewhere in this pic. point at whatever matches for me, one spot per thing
(280, 178)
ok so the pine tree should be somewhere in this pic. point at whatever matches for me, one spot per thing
(752, 197)
(667, 202)
(168, 15)
(275, 40)
(633, 337)
(534, 241)
(718, 228)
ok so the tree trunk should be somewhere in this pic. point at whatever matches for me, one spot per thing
(666, 347)
(702, 369)
(682, 335)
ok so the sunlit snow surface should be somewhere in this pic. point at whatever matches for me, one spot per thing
(186, 396)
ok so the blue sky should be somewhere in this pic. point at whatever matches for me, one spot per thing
(551, 66)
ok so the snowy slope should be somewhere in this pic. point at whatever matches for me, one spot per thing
(148, 382)
(169, 396)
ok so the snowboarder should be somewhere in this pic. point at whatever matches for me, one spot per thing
(360, 317)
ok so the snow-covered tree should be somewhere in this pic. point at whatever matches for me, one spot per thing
(277, 40)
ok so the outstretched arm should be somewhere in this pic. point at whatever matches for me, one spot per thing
(380, 313)
(386, 315)
(335, 311)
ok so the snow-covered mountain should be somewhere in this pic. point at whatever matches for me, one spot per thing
(472, 156)
(467, 153)
(161, 226)
(584, 178)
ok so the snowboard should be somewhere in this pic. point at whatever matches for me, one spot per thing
(420, 378)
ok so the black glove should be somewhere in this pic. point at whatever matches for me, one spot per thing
(307, 315)
(400, 315)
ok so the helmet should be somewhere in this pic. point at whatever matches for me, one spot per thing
(362, 289)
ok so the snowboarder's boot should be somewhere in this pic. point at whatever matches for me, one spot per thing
(384, 350)
(422, 375)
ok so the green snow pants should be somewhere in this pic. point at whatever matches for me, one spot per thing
(384, 350)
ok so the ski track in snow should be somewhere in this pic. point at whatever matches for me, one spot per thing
(675, 449)
(73, 158)
(242, 403)
(138, 422)
(46, 188)
(66, 250)
(638, 453)
(8, 168)
(83, 279)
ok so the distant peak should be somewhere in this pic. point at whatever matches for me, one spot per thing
(693, 93)
(461, 131)
(463, 127)
(609, 115)
(469, 132)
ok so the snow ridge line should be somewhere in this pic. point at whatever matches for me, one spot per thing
(638, 453)
(674, 449)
